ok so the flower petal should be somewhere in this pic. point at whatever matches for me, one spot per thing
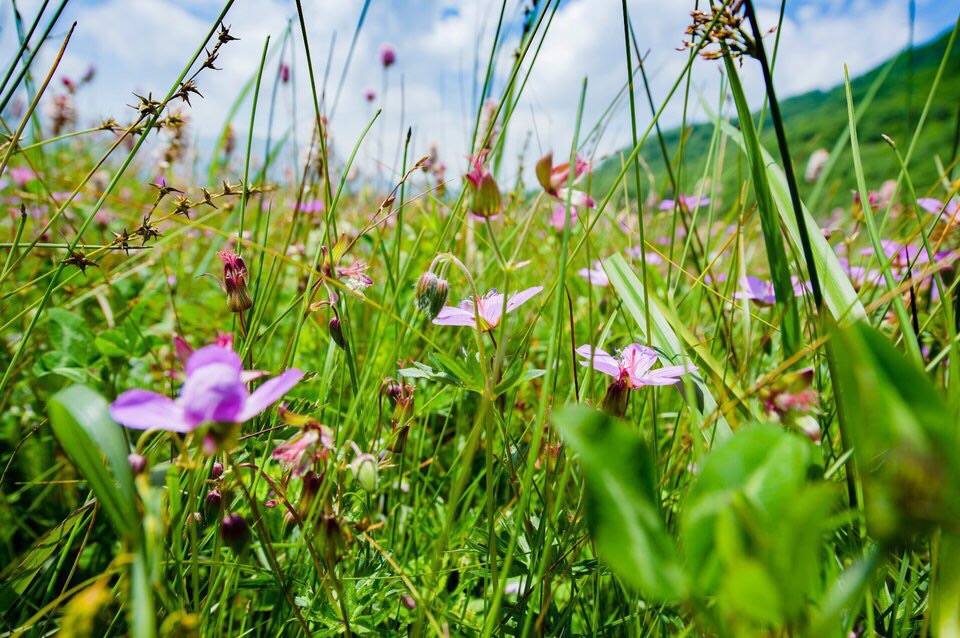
(522, 297)
(637, 360)
(452, 316)
(216, 395)
(143, 410)
(268, 393)
(599, 360)
(210, 355)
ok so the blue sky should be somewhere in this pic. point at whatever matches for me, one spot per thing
(140, 45)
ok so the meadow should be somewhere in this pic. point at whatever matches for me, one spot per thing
(705, 386)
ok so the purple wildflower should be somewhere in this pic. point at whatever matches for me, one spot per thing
(632, 366)
(686, 202)
(948, 211)
(214, 392)
(489, 307)
(388, 55)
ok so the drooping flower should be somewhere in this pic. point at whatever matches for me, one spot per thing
(235, 281)
(431, 294)
(685, 202)
(484, 199)
(214, 392)
(554, 180)
(596, 275)
(489, 307)
(633, 366)
(388, 55)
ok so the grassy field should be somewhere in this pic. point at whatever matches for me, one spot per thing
(463, 401)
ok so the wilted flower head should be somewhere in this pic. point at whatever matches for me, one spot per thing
(214, 392)
(632, 366)
(306, 448)
(355, 276)
(554, 180)
(235, 281)
(388, 55)
(489, 307)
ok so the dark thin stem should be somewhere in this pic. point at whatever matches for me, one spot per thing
(785, 156)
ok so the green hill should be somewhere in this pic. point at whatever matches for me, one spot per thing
(816, 119)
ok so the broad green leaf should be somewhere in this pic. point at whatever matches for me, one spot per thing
(759, 472)
(665, 339)
(70, 333)
(80, 419)
(904, 435)
(621, 508)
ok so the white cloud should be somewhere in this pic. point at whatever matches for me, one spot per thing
(142, 44)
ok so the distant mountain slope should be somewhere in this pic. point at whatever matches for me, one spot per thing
(814, 120)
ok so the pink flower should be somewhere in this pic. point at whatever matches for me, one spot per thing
(214, 392)
(388, 55)
(489, 307)
(559, 216)
(686, 202)
(484, 201)
(595, 275)
(284, 72)
(21, 175)
(633, 366)
(635, 252)
(904, 256)
(369, 95)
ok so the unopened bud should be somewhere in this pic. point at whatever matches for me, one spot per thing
(235, 281)
(486, 201)
(216, 471)
(138, 463)
(235, 532)
(616, 398)
(212, 504)
(336, 332)
(431, 294)
(366, 472)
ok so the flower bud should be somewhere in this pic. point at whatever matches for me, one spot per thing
(216, 471)
(235, 281)
(138, 463)
(336, 332)
(616, 398)
(486, 202)
(235, 532)
(366, 472)
(212, 504)
(431, 294)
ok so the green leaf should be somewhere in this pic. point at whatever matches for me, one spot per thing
(69, 333)
(665, 340)
(81, 421)
(621, 508)
(758, 473)
(904, 435)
